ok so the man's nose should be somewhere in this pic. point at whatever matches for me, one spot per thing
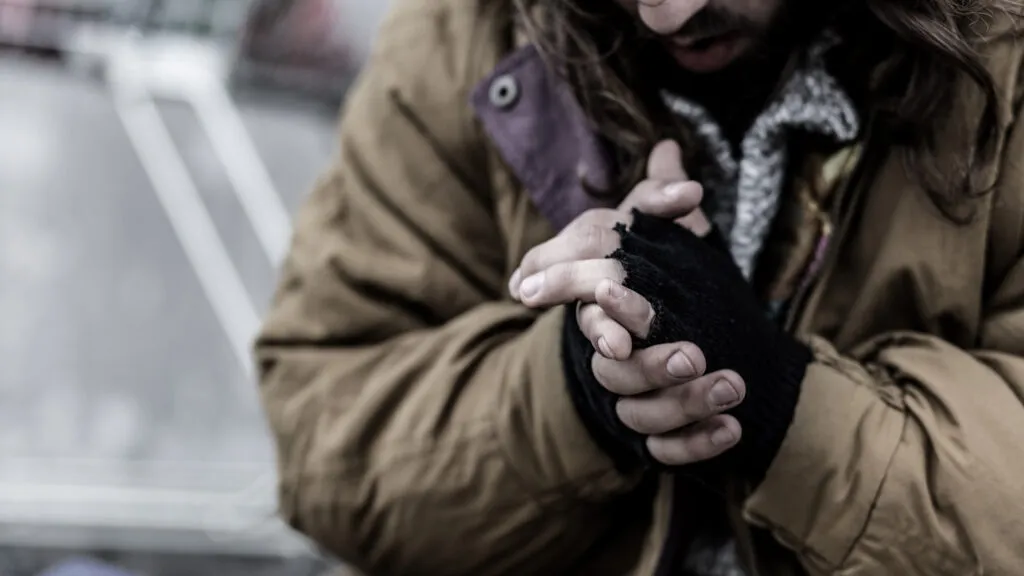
(664, 17)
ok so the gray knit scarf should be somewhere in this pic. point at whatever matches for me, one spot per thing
(745, 191)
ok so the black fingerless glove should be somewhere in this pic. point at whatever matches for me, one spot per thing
(595, 404)
(699, 296)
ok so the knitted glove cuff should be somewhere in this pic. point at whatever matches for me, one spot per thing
(595, 404)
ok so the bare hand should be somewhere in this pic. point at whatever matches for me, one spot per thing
(568, 267)
(665, 393)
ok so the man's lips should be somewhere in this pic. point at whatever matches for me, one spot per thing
(688, 42)
(707, 53)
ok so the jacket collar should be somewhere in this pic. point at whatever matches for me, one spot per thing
(545, 139)
(540, 131)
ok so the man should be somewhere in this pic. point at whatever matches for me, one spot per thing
(704, 287)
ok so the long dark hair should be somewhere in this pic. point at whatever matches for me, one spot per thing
(913, 57)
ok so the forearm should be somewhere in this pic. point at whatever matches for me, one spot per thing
(910, 454)
(390, 450)
(904, 454)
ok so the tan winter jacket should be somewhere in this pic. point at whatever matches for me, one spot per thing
(422, 420)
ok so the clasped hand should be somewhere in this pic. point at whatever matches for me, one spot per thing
(665, 392)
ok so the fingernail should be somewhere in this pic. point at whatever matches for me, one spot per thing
(605, 349)
(531, 286)
(616, 291)
(723, 394)
(675, 190)
(513, 283)
(722, 436)
(679, 366)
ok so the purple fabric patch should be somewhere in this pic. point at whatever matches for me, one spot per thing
(543, 136)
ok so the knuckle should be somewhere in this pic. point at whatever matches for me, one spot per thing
(608, 215)
(583, 220)
(618, 309)
(686, 449)
(653, 364)
(650, 371)
(593, 240)
(596, 217)
(617, 376)
(591, 325)
(692, 399)
(568, 273)
(598, 366)
(559, 276)
(699, 189)
(586, 316)
(629, 415)
(644, 190)
(618, 273)
(700, 449)
(582, 317)
(529, 263)
(647, 318)
(672, 451)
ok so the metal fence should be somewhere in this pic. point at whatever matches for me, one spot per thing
(154, 131)
(205, 17)
(46, 24)
(299, 46)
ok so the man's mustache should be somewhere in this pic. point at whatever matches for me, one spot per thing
(712, 21)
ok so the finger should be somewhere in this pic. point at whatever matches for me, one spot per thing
(664, 198)
(669, 409)
(625, 307)
(568, 282)
(696, 222)
(666, 162)
(594, 229)
(630, 377)
(608, 337)
(603, 217)
(583, 243)
(670, 364)
(697, 443)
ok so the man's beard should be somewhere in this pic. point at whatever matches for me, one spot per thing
(713, 21)
(796, 23)
(737, 93)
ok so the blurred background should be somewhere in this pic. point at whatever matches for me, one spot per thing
(152, 153)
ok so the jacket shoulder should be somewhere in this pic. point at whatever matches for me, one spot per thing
(426, 60)
(441, 48)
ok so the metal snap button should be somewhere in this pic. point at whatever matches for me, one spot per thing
(504, 91)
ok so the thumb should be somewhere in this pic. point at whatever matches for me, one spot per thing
(666, 162)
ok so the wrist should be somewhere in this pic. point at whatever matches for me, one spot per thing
(767, 412)
(594, 404)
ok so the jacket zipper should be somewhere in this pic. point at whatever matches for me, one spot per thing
(835, 235)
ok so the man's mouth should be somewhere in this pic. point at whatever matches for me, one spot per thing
(703, 41)
(707, 53)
